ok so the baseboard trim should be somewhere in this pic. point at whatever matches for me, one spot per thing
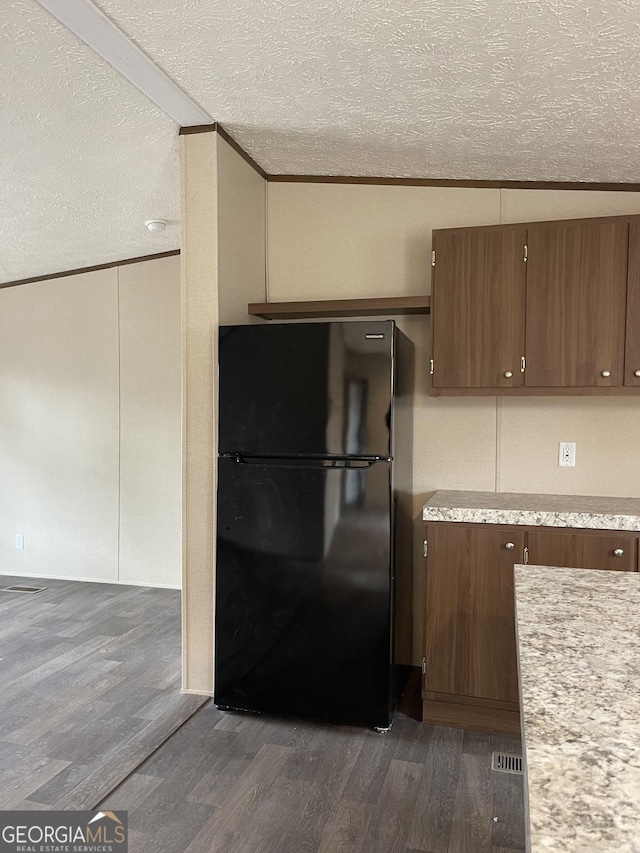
(475, 717)
(90, 580)
(476, 701)
(188, 691)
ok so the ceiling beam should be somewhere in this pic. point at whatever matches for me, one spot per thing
(99, 33)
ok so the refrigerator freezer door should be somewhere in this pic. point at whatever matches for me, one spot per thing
(303, 389)
(303, 591)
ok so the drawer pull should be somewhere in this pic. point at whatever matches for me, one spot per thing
(636, 372)
(605, 373)
(618, 552)
(508, 374)
(510, 546)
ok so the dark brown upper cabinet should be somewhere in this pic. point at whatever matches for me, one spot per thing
(575, 307)
(632, 347)
(478, 308)
(564, 321)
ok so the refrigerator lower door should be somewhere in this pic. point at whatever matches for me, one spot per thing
(304, 591)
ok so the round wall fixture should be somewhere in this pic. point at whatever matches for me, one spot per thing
(156, 225)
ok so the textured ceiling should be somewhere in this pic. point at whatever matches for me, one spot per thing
(85, 158)
(480, 89)
(486, 89)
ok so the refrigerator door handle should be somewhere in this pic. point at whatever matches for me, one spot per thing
(279, 462)
(349, 463)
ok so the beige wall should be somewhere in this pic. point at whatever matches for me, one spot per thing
(333, 241)
(341, 241)
(223, 268)
(241, 236)
(81, 403)
(150, 441)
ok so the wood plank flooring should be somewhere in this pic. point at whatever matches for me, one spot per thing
(234, 783)
(90, 688)
(90, 693)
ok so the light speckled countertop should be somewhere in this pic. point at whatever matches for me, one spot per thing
(597, 513)
(579, 664)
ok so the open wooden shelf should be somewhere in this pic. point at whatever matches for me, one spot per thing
(341, 307)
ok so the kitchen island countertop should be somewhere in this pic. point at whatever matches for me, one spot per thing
(579, 666)
(578, 511)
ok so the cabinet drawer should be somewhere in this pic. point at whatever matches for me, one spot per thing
(583, 550)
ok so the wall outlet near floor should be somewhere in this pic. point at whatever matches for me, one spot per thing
(20, 541)
(567, 454)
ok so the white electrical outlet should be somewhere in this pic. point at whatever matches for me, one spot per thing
(20, 541)
(567, 454)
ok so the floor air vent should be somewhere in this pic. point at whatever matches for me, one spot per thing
(28, 589)
(506, 763)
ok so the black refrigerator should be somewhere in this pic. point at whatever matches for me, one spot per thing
(313, 557)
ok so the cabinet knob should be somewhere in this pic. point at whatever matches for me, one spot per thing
(510, 546)
(618, 552)
(508, 374)
(605, 373)
(636, 372)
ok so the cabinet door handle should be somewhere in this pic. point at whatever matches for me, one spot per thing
(508, 374)
(636, 372)
(510, 546)
(618, 552)
(605, 373)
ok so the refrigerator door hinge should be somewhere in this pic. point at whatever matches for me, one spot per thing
(433, 258)
(424, 666)
(525, 556)
(526, 253)
(425, 548)
(431, 367)
(523, 364)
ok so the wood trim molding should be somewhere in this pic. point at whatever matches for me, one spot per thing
(239, 150)
(586, 186)
(216, 127)
(95, 268)
(198, 128)
(455, 182)
(342, 179)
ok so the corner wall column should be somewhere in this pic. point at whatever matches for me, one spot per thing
(199, 300)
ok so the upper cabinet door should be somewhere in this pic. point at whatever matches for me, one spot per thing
(632, 351)
(576, 295)
(478, 308)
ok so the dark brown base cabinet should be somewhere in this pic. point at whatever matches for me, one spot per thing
(470, 658)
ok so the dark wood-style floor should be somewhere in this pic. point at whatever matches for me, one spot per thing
(90, 689)
(234, 783)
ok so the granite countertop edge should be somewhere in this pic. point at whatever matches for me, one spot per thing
(576, 511)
